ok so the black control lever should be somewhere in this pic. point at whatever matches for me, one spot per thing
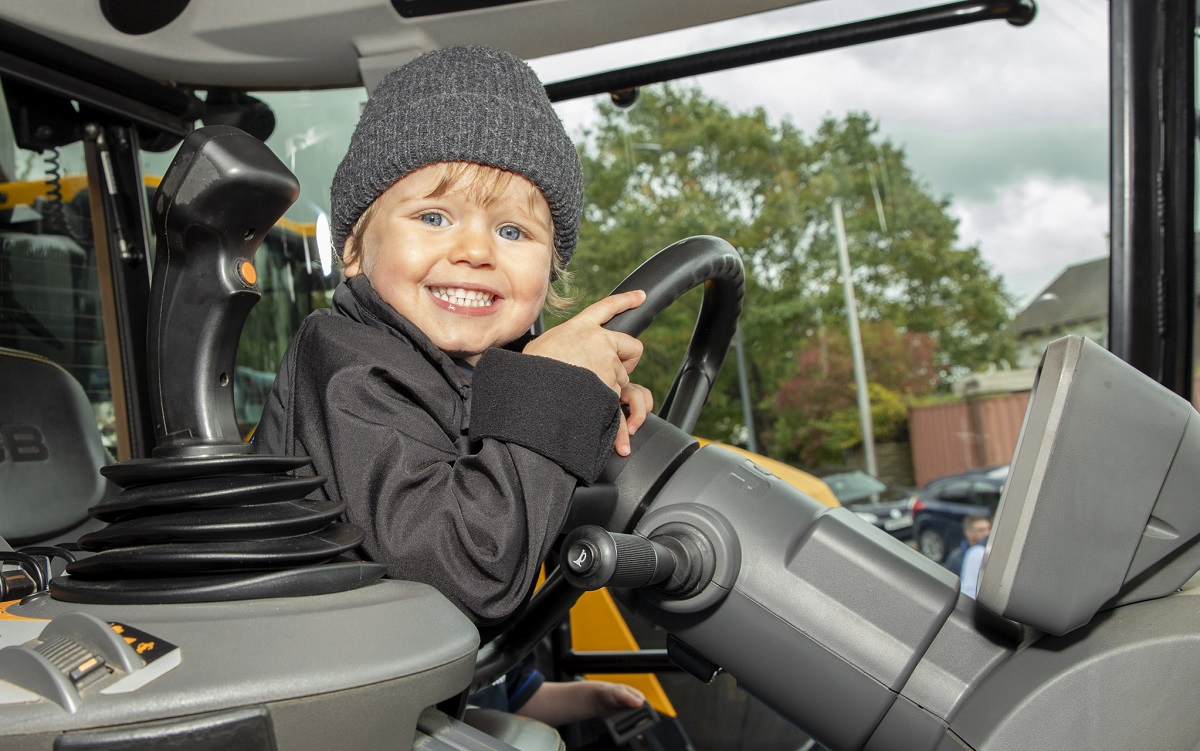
(594, 557)
(221, 195)
(675, 563)
(208, 519)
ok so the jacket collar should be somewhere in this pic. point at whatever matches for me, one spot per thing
(356, 299)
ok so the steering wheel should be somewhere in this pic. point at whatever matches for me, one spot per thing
(662, 442)
(665, 277)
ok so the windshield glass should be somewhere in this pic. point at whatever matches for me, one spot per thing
(973, 217)
(971, 208)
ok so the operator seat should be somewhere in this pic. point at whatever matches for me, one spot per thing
(50, 452)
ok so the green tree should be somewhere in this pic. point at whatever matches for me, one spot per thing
(818, 417)
(680, 163)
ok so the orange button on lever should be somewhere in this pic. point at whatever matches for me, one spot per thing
(247, 272)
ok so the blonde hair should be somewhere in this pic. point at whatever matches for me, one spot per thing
(482, 184)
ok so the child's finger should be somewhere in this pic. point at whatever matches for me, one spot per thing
(602, 311)
(620, 378)
(640, 401)
(622, 442)
(629, 696)
(628, 349)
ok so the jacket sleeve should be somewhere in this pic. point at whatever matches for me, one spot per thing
(476, 526)
(561, 411)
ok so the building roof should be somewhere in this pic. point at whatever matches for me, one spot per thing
(1079, 293)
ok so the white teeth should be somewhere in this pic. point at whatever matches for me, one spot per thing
(467, 298)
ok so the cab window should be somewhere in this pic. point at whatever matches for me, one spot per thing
(49, 290)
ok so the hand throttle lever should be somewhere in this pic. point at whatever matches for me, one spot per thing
(675, 562)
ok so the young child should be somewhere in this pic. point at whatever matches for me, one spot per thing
(454, 439)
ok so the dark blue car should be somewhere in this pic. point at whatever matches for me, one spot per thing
(941, 506)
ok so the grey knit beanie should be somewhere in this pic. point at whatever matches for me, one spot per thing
(460, 104)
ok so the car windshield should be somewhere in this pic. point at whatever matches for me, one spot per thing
(854, 486)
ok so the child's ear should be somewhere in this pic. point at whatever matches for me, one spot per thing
(351, 258)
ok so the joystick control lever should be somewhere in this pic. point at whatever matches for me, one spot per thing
(223, 192)
(593, 558)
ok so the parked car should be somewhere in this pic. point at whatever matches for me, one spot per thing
(940, 507)
(888, 507)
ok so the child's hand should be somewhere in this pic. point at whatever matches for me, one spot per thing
(611, 355)
(558, 703)
(581, 341)
(611, 698)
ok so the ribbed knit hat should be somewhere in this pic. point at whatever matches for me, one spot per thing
(460, 104)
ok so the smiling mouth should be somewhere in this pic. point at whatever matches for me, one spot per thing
(464, 298)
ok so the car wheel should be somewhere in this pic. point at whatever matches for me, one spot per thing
(931, 544)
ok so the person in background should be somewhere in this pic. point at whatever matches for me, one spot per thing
(975, 529)
(972, 558)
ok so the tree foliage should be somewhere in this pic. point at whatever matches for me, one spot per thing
(680, 163)
(817, 409)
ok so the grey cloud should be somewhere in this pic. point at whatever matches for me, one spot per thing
(979, 164)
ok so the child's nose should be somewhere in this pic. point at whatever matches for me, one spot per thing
(473, 248)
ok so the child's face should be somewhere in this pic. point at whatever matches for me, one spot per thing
(471, 275)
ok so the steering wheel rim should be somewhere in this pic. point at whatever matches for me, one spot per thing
(665, 277)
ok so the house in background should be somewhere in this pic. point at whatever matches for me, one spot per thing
(981, 428)
(1076, 302)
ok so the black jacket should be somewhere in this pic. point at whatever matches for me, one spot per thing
(462, 484)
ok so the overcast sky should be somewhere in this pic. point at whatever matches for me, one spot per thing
(1010, 124)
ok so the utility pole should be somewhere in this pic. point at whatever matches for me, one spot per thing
(744, 387)
(860, 367)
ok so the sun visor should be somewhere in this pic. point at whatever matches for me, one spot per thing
(1097, 492)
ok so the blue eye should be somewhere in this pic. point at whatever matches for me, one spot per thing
(509, 232)
(433, 219)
